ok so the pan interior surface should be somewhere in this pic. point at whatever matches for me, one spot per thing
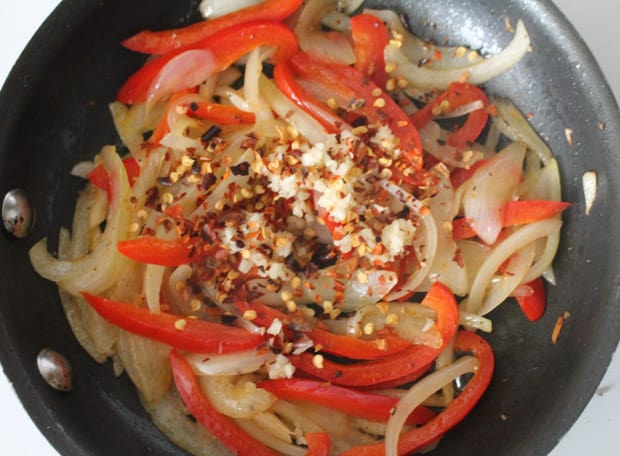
(53, 112)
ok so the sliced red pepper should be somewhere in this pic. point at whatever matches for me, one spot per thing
(458, 94)
(285, 80)
(221, 114)
(370, 37)
(534, 305)
(413, 360)
(99, 177)
(350, 84)
(523, 212)
(154, 250)
(355, 348)
(319, 443)
(344, 346)
(515, 213)
(199, 406)
(196, 336)
(411, 441)
(165, 41)
(366, 405)
(225, 48)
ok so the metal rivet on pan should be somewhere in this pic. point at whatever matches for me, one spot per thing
(55, 369)
(17, 213)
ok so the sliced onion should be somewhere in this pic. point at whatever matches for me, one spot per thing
(463, 110)
(370, 427)
(147, 364)
(150, 170)
(98, 270)
(336, 20)
(474, 254)
(236, 396)
(349, 6)
(171, 417)
(475, 322)
(376, 285)
(229, 364)
(450, 155)
(153, 278)
(418, 50)
(445, 267)
(179, 275)
(418, 393)
(445, 359)
(82, 169)
(589, 189)
(252, 75)
(493, 137)
(410, 321)
(72, 307)
(212, 9)
(132, 121)
(337, 424)
(511, 122)
(188, 69)
(271, 424)
(329, 46)
(519, 239)
(291, 114)
(252, 428)
(234, 97)
(300, 422)
(547, 187)
(490, 188)
(426, 77)
(503, 287)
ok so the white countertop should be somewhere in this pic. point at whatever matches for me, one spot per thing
(597, 428)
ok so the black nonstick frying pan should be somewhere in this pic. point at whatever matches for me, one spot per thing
(53, 113)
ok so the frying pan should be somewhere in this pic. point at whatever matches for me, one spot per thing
(53, 113)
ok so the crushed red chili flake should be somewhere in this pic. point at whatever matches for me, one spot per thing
(210, 134)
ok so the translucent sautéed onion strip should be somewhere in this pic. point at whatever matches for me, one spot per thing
(501, 253)
(98, 270)
(476, 73)
(418, 393)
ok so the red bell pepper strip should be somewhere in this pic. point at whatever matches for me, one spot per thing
(221, 114)
(515, 213)
(285, 80)
(99, 177)
(199, 406)
(355, 348)
(411, 441)
(374, 407)
(196, 336)
(224, 49)
(523, 212)
(165, 41)
(534, 305)
(370, 37)
(319, 443)
(154, 250)
(344, 346)
(410, 363)
(413, 360)
(458, 94)
(377, 107)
